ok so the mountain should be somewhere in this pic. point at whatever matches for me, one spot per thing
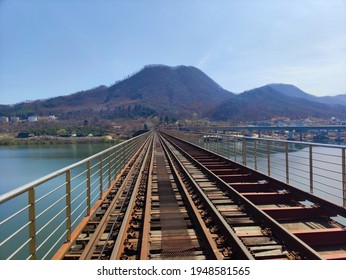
(292, 91)
(180, 92)
(177, 91)
(337, 99)
(154, 90)
(272, 101)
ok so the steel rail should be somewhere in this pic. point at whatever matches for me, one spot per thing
(205, 235)
(144, 247)
(118, 171)
(318, 200)
(129, 195)
(91, 245)
(290, 239)
(120, 238)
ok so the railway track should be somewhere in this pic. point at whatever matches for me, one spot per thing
(272, 219)
(178, 201)
(100, 237)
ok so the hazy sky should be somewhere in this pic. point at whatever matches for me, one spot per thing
(58, 47)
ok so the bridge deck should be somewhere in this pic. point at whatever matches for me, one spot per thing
(178, 201)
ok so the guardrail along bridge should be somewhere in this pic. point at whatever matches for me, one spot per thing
(157, 196)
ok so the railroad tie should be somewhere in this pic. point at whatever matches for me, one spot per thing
(176, 243)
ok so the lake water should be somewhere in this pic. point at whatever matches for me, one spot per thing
(22, 164)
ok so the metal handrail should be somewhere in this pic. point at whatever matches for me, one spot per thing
(54, 204)
(20, 190)
(301, 164)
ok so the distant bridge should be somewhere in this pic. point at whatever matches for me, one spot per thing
(300, 129)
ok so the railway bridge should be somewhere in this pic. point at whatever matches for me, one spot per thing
(164, 196)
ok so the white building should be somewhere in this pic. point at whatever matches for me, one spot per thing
(32, 119)
(4, 119)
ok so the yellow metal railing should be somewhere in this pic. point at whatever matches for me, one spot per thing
(37, 218)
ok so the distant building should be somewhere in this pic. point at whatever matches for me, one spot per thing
(334, 121)
(32, 119)
(4, 119)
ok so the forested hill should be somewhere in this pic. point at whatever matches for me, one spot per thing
(181, 92)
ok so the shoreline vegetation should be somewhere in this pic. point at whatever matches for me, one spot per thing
(7, 140)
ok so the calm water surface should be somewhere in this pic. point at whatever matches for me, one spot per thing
(22, 164)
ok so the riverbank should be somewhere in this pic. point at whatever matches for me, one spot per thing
(6, 140)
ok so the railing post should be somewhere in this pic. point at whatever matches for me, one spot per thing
(88, 187)
(235, 149)
(109, 169)
(243, 146)
(311, 170)
(115, 163)
(68, 205)
(268, 156)
(228, 147)
(32, 225)
(344, 176)
(101, 175)
(255, 153)
(287, 166)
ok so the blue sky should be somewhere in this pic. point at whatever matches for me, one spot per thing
(58, 47)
